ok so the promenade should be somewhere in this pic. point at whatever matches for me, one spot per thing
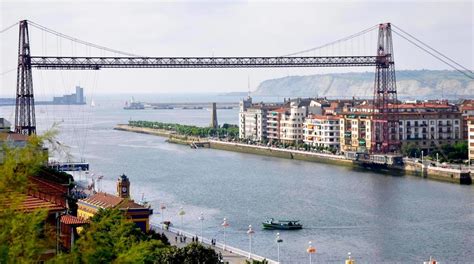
(231, 255)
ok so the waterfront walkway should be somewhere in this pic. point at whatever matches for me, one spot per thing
(231, 255)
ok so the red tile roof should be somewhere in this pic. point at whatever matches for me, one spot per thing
(281, 110)
(13, 136)
(31, 203)
(103, 200)
(325, 117)
(73, 220)
(130, 204)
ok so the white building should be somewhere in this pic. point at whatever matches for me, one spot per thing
(253, 120)
(291, 123)
(253, 124)
(322, 131)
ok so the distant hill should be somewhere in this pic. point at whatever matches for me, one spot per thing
(416, 84)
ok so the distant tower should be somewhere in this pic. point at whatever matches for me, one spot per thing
(123, 186)
(79, 95)
(214, 116)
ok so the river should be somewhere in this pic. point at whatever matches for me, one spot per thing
(376, 217)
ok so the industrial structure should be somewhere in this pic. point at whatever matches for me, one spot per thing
(384, 88)
(214, 123)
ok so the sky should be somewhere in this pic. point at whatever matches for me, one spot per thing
(223, 28)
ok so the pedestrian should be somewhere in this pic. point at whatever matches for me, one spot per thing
(175, 239)
(193, 240)
(185, 239)
(180, 239)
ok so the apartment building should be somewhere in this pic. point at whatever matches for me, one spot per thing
(466, 108)
(273, 124)
(470, 143)
(355, 131)
(429, 125)
(291, 123)
(322, 131)
(253, 119)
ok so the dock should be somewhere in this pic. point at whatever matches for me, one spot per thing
(200, 144)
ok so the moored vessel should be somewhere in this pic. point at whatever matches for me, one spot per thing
(282, 224)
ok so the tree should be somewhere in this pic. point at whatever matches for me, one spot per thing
(107, 236)
(411, 150)
(257, 262)
(190, 254)
(22, 234)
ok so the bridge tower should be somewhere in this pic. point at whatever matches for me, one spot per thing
(384, 125)
(25, 122)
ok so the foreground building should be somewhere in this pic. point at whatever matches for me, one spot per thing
(137, 213)
(322, 131)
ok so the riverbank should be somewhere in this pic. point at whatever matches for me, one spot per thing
(409, 167)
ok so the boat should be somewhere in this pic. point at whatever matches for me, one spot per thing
(134, 105)
(282, 224)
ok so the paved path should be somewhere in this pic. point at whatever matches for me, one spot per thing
(227, 256)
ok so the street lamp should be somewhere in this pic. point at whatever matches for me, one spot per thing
(162, 207)
(311, 250)
(201, 218)
(278, 240)
(422, 165)
(224, 225)
(250, 232)
(181, 213)
(349, 259)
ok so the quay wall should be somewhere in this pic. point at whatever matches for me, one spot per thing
(409, 167)
(143, 130)
(280, 153)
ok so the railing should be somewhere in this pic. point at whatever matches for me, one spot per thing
(207, 241)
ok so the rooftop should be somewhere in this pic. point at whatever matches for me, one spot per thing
(325, 117)
(73, 220)
(105, 200)
(11, 136)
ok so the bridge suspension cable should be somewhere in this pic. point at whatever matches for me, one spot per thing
(38, 26)
(334, 42)
(433, 52)
(7, 28)
(433, 49)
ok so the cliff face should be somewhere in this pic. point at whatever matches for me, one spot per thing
(421, 84)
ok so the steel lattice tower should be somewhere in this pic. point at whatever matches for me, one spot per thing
(25, 122)
(384, 134)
